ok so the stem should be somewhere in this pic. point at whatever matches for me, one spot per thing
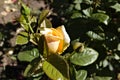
(30, 28)
(28, 22)
(70, 55)
(42, 58)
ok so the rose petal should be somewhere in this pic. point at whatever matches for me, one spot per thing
(59, 35)
(53, 46)
(45, 31)
(50, 40)
(65, 35)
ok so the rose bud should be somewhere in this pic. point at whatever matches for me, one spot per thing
(57, 39)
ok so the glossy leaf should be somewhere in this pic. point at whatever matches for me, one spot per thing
(116, 7)
(28, 55)
(43, 15)
(43, 48)
(103, 18)
(40, 41)
(81, 75)
(22, 38)
(77, 6)
(88, 56)
(105, 63)
(33, 69)
(56, 68)
(88, 11)
(94, 36)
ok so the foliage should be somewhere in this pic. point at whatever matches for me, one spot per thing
(45, 57)
(96, 24)
(93, 52)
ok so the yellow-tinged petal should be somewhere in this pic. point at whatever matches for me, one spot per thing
(57, 33)
(65, 36)
(53, 43)
(57, 39)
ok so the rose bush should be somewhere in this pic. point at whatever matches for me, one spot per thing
(43, 55)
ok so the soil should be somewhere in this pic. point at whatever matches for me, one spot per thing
(9, 13)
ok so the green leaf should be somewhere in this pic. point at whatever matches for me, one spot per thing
(56, 68)
(43, 48)
(43, 15)
(72, 72)
(28, 55)
(78, 1)
(103, 18)
(33, 20)
(48, 23)
(88, 11)
(35, 38)
(22, 38)
(34, 69)
(88, 56)
(25, 10)
(87, 1)
(95, 36)
(76, 15)
(81, 75)
(116, 7)
(24, 23)
(105, 63)
(99, 78)
(102, 78)
(83, 1)
(77, 6)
